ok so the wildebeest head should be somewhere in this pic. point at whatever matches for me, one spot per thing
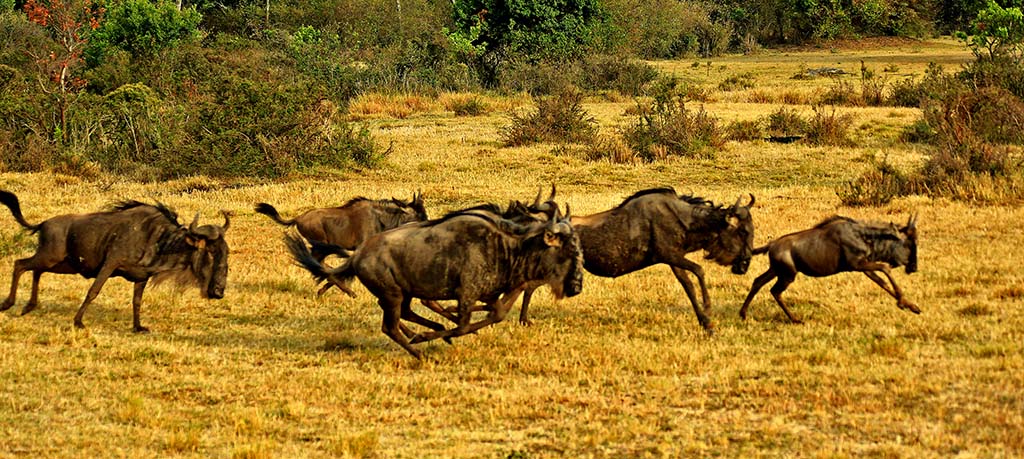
(414, 210)
(210, 260)
(908, 255)
(735, 242)
(563, 253)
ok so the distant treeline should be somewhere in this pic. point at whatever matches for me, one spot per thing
(156, 89)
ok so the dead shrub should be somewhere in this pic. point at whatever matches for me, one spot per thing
(558, 118)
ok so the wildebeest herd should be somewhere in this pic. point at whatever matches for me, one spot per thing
(483, 257)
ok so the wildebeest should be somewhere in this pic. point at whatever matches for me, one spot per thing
(134, 240)
(839, 244)
(466, 256)
(657, 226)
(348, 225)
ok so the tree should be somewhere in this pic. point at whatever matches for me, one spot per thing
(996, 33)
(142, 28)
(69, 23)
(537, 30)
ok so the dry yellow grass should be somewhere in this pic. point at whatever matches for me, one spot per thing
(621, 370)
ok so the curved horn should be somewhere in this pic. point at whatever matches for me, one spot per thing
(536, 201)
(195, 224)
(912, 221)
(568, 213)
(751, 201)
(227, 219)
(739, 201)
(551, 197)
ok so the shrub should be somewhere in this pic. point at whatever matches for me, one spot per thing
(559, 118)
(611, 148)
(142, 28)
(841, 92)
(876, 187)
(829, 128)
(786, 122)
(737, 82)
(618, 73)
(470, 105)
(666, 127)
(744, 130)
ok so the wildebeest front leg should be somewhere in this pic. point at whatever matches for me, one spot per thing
(497, 312)
(391, 323)
(94, 290)
(137, 307)
(524, 318)
(702, 318)
(901, 302)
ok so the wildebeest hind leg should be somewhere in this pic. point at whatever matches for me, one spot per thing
(391, 324)
(497, 312)
(412, 316)
(33, 299)
(780, 286)
(754, 288)
(94, 290)
(702, 318)
(19, 269)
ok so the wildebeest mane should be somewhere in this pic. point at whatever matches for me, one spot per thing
(171, 215)
(689, 199)
(495, 219)
(833, 219)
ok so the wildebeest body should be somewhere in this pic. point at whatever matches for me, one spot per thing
(657, 226)
(135, 241)
(468, 257)
(839, 244)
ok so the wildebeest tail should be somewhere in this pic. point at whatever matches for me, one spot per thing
(761, 250)
(11, 201)
(324, 249)
(270, 211)
(339, 276)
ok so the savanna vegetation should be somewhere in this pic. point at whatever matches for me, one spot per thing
(871, 109)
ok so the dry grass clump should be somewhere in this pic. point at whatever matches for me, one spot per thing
(744, 130)
(463, 104)
(399, 106)
(737, 82)
(786, 122)
(829, 128)
(611, 148)
(558, 118)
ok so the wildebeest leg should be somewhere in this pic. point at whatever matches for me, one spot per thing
(881, 283)
(698, 272)
(19, 269)
(497, 311)
(524, 319)
(780, 286)
(705, 322)
(758, 283)
(33, 299)
(436, 307)
(137, 307)
(94, 290)
(901, 301)
(391, 324)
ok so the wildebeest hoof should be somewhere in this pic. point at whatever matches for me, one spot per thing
(28, 308)
(904, 304)
(6, 305)
(525, 322)
(140, 329)
(79, 324)
(417, 338)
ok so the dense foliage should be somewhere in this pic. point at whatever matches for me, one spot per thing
(161, 88)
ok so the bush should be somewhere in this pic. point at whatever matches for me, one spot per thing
(876, 187)
(737, 82)
(559, 118)
(744, 131)
(611, 148)
(617, 73)
(829, 128)
(142, 28)
(666, 127)
(786, 122)
(841, 92)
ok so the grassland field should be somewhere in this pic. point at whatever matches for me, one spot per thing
(622, 370)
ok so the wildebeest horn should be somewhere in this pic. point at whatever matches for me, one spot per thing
(195, 224)
(751, 201)
(227, 219)
(912, 221)
(536, 201)
(568, 213)
(552, 196)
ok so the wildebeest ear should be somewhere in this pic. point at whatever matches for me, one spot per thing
(194, 241)
(227, 219)
(552, 239)
(417, 197)
(195, 224)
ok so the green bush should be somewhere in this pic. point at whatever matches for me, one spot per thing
(559, 118)
(829, 128)
(737, 82)
(142, 28)
(666, 127)
(786, 122)
(617, 73)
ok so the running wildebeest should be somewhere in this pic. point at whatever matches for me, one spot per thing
(839, 244)
(348, 225)
(464, 256)
(134, 240)
(657, 226)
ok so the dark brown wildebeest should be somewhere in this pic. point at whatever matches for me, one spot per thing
(464, 256)
(348, 225)
(134, 240)
(657, 226)
(839, 244)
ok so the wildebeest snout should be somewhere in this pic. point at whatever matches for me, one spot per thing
(741, 264)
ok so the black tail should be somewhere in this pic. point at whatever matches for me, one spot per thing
(270, 211)
(11, 201)
(321, 250)
(340, 276)
(760, 250)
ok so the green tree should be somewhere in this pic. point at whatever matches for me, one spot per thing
(142, 28)
(537, 30)
(996, 33)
